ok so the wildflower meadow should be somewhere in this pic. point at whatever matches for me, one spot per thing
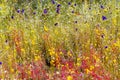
(59, 39)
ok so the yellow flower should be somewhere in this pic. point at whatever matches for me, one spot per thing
(33, 42)
(94, 12)
(78, 64)
(23, 50)
(37, 50)
(32, 31)
(87, 71)
(52, 51)
(117, 44)
(69, 54)
(114, 61)
(97, 31)
(106, 57)
(78, 59)
(60, 53)
(52, 62)
(96, 58)
(86, 58)
(69, 78)
(114, 21)
(12, 70)
(7, 47)
(87, 25)
(26, 42)
(56, 31)
(105, 10)
(37, 58)
(28, 72)
(45, 28)
(91, 67)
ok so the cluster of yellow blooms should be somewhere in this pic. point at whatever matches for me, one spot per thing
(69, 77)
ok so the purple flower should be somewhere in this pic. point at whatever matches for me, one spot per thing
(102, 36)
(34, 13)
(89, 8)
(104, 18)
(22, 11)
(106, 47)
(53, 1)
(0, 63)
(69, 3)
(75, 4)
(72, 11)
(58, 5)
(58, 10)
(75, 21)
(76, 29)
(56, 24)
(18, 11)
(102, 6)
(12, 17)
(45, 11)
(6, 41)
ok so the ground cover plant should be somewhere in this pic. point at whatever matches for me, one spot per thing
(59, 40)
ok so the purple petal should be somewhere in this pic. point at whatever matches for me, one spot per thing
(89, 8)
(53, 1)
(0, 63)
(12, 17)
(75, 4)
(104, 18)
(58, 5)
(72, 11)
(56, 24)
(69, 3)
(45, 11)
(58, 10)
(102, 6)
(102, 36)
(75, 21)
(22, 10)
(34, 13)
(18, 11)
(106, 47)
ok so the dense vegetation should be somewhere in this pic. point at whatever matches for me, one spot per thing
(59, 40)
